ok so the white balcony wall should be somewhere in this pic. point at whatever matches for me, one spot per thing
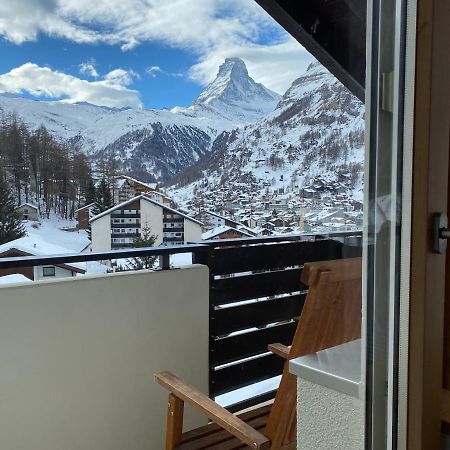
(78, 357)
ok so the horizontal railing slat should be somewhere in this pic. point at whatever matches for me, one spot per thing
(252, 286)
(251, 343)
(256, 314)
(273, 255)
(245, 374)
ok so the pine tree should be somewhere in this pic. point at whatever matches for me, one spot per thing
(103, 198)
(145, 239)
(10, 225)
(90, 193)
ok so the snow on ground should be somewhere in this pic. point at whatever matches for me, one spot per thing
(50, 232)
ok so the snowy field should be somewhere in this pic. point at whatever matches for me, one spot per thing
(50, 235)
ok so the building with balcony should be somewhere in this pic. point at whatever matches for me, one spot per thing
(126, 187)
(119, 226)
(78, 354)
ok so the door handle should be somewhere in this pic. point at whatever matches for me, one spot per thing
(440, 233)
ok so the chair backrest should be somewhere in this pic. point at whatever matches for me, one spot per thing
(331, 316)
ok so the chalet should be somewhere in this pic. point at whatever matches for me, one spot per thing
(82, 216)
(21, 247)
(278, 222)
(309, 193)
(249, 222)
(27, 211)
(265, 232)
(225, 232)
(119, 226)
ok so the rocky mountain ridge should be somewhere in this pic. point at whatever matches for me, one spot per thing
(317, 129)
(157, 144)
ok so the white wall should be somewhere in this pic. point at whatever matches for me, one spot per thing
(60, 272)
(78, 357)
(328, 419)
(192, 231)
(101, 233)
(152, 216)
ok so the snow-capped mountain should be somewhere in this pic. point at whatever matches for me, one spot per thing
(317, 129)
(235, 96)
(158, 143)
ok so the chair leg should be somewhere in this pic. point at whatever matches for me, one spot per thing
(174, 422)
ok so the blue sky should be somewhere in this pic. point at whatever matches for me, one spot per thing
(138, 53)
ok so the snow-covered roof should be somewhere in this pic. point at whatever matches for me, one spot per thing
(36, 246)
(85, 206)
(120, 179)
(28, 204)
(222, 229)
(13, 278)
(146, 198)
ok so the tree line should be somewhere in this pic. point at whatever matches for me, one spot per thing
(52, 174)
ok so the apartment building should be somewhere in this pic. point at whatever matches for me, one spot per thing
(119, 226)
(126, 188)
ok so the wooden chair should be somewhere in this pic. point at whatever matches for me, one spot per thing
(331, 316)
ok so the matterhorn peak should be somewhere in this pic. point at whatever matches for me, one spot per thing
(234, 94)
(233, 67)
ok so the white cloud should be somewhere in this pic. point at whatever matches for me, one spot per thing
(23, 20)
(121, 77)
(88, 68)
(45, 82)
(153, 70)
(276, 66)
(211, 29)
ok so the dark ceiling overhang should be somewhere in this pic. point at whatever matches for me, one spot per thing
(333, 31)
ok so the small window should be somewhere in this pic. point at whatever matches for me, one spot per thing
(48, 271)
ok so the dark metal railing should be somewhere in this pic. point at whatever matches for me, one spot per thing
(256, 298)
(31, 261)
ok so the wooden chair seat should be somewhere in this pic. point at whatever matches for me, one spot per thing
(214, 437)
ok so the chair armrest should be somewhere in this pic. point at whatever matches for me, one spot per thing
(280, 350)
(219, 415)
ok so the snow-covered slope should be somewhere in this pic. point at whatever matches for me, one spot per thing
(317, 129)
(157, 142)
